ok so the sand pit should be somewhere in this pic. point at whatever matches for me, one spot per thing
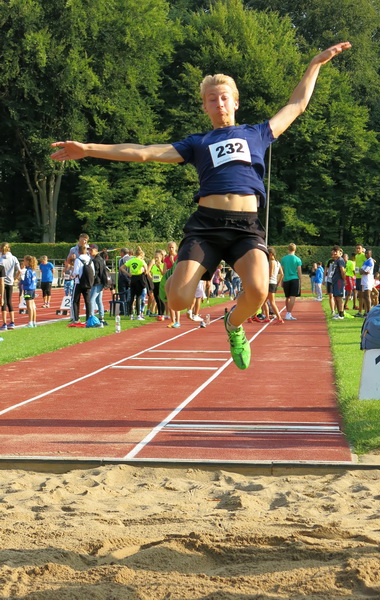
(141, 533)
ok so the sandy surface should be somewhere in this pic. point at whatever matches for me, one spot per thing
(140, 533)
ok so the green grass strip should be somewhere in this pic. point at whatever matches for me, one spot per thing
(24, 343)
(361, 418)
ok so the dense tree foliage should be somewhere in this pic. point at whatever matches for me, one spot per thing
(122, 70)
(74, 69)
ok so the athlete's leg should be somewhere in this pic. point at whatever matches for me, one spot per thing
(332, 302)
(272, 300)
(289, 303)
(180, 287)
(253, 271)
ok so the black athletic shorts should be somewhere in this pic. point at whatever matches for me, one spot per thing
(292, 288)
(273, 288)
(358, 284)
(46, 288)
(212, 235)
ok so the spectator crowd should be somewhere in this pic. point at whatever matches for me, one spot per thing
(349, 279)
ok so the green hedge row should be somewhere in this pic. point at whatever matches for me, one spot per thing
(58, 252)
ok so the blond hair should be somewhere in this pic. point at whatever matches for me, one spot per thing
(219, 79)
(31, 261)
(139, 252)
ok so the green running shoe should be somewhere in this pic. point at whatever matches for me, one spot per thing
(239, 346)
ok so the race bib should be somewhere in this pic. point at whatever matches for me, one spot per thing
(229, 150)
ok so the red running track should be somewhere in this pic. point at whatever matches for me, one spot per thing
(155, 393)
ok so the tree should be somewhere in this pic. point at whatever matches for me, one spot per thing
(322, 23)
(257, 49)
(320, 178)
(72, 69)
(321, 163)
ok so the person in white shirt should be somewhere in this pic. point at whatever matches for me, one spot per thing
(368, 280)
(12, 271)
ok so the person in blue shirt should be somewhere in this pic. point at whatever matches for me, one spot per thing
(29, 288)
(230, 163)
(318, 280)
(47, 275)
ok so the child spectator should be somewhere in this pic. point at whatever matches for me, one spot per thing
(350, 279)
(124, 278)
(47, 270)
(2, 284)
(137, 268)
(29, 287)
(338, 279)
(193, 312)
(368, 280)
(68, 281)
(318, 280)
(171, 255)
(276, 275)
(313, 270)
(156, 272)
(217, 279)
(21, 280)
(328, 280)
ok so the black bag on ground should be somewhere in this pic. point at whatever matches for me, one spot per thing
(86, 280)
(370, 337)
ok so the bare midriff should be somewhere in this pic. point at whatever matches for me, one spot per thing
(236, 202)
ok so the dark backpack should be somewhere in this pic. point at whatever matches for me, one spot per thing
(105, 278)
(370, 339)
(86, 280)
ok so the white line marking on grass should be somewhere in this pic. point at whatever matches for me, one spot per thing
(141, 445)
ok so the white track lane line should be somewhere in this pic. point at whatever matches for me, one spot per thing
(140, 446)
(61, 387)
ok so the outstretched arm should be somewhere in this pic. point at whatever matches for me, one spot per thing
(124, 152)
(303, 92)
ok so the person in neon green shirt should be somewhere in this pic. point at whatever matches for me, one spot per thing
(359, 260)
(350, 279)
(137, 267)
(155, 272)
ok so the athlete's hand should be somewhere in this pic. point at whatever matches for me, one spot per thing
(328, 54)
(68, 151)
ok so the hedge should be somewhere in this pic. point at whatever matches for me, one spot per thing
(58, 252)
